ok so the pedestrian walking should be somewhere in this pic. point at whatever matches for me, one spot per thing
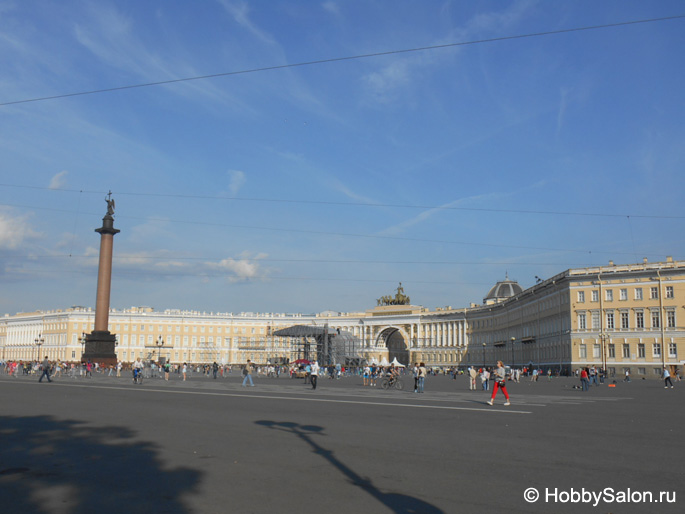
(500, 376)
(584, 381)
(473, 376)
(485, 379)
(247, 374)
(46, 370)
(314, 374)
(667, 379)
(422, 377)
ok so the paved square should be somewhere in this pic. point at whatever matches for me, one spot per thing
(202, 446)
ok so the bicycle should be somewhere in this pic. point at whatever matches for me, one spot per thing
(390, 382)
(137, 376)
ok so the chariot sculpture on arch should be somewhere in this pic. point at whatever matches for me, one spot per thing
(399, 299)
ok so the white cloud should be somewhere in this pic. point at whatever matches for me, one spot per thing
(59, 180)
(236, 181)
(245, 268)
(239, 11)
(14, 231)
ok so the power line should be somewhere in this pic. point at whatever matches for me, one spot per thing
(340, 59)
(328, 233)
(349, 204)
(167, 258)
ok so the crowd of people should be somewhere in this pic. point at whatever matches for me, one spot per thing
(489, 378)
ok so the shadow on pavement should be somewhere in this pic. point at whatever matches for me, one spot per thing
(398, 503)
(50, 465)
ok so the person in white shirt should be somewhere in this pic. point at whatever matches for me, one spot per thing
(315, 374)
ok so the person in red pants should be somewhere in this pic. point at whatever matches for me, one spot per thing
(500, 376)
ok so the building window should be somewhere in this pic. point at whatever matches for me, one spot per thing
(670, 319)
(654, 293)
(581, 296)
(610, 295)
(669, 291)
(582, 321)
(612, 351)
(596, 351)
(623, 294)
(656, 350)
(641, 371)
(638, 293)
(656, 319)
(672, 350)
(639, 319)
(595, 320)
(624, 320)
(610, 320)
(582, 351)
(641, 350)
(595, 296)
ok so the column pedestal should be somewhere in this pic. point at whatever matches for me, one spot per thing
(100, 348)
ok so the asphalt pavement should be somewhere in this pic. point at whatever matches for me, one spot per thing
(209, 445)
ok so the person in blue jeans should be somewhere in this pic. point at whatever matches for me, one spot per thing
(46, 370)
(422, 377)
(247, 373)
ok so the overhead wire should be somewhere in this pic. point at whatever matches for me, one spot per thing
(341, 59)
(329, 233)
(351, 204)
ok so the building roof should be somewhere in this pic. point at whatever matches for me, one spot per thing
(502, 290)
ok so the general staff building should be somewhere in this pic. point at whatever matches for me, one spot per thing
(616, 317)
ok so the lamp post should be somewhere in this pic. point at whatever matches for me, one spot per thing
(513, 353)
(83, 344)
(603, 336)
(483, 355)
(38, 341)
(159, 343)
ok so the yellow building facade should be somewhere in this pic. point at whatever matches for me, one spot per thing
(617, 317)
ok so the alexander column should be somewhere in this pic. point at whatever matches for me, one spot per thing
(100, 343)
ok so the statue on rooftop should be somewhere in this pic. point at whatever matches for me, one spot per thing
(399, 299)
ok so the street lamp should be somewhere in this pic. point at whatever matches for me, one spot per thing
(483, 355)
(159, 343)
(38, 341)
(603, 336)
(513, 352)
(83, 344)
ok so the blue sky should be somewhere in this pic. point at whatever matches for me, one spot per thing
(321, 187)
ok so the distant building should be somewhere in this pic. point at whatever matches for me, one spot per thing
(619, 317)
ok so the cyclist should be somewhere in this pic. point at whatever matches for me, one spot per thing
(137, 371)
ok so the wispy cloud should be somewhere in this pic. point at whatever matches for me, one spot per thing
(14, 230)
(493, 198)
(331, 7)
(59, 180)
(240, 12)
(236, 179)
(245, 267)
